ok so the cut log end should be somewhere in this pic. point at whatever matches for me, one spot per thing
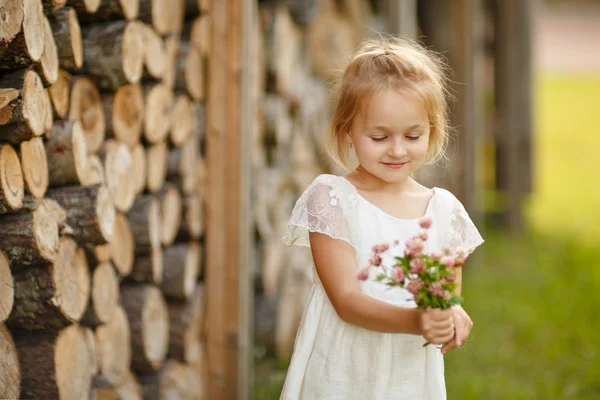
(11, 179)
(67, 154)
(122, 247)
(170, 213)
(194, 74)
(34, 107)
(76, 49)
(183, 120)
(94, 174)
(59, 93)
(45, 230)
(73, 365)
(106, 213)
(86, 106)
(7, 289)
(72, 280)
(113, 347)
(10, 372)
(157, 118)
(132, 52)
(130, 389)
(12, 18)
(138, 169)
(128, 114)
(33, 28)
(34, 163)
(154, 59)
(117, 164)
(48, 65)
(157, 166)
(105, 292)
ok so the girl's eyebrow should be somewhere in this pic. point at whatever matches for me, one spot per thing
(388, 130)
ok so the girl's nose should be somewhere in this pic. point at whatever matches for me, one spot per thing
(397, 149)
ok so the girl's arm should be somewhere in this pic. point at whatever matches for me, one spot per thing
(336, 266)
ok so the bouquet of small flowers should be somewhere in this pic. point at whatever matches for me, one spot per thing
(431, 278)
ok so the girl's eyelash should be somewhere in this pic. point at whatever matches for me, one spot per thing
(413, 137)
(378, 139)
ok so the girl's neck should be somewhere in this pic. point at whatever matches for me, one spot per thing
(368, 182)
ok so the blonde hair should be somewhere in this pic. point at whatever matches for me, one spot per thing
(400, 64)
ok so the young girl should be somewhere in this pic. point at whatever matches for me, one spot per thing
(364, 340)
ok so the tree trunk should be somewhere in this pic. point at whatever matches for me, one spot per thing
(7, 290)
(53, 6)
(55, 366)
(112, 10)
(189, 76)
(148, 268)
(30, 238)
(185, 328)
(124, 112)
(67, 35)
(157, 165)
(170, 210)
(148, 313)
(22, 40)
(48, 64)
(11, 180)
(84, 6)
(86, 106)
(113, 345)
(175, 379)
(117, 51)
(157, 116)
(10, 371)
(181, 270)
(104, 298)
(50, 298)
(138, 168)
(122, 247)
(67, 154)
(144, 220)
(117, 166)
(59, 94)
(158, 14)
(155, 56)
(90, 212)
(184, 120)
(171, 53)
(24, 117)
(94, 172)
(34, 164)
(181, 165)
(192, 221)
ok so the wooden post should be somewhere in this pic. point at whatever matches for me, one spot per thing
(402, 17)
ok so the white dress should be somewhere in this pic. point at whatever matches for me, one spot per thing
(335, 360)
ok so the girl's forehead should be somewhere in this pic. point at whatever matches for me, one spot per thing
(394, 108)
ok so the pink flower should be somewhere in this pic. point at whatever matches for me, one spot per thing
(447, 251)
(417, 265)
(448, 261)
(397, 274)
(423, 236)
(450, 278)
(396, 242)
(363, 274)
(414, 247)
(436, 289)
(426, 223)
(415, 285)
(381, 248)
(437, 254)
(447, 295)
(459, 261)
(375, 262)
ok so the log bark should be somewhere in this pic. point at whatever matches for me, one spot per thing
(67, 35)
(59, 214)
(47, 67)
(117, 166)
(112, 10)
(53, 297)
(144, 220)
(90, 212)
(94, 172)
(30, 238)
(21, 49)
(86, 106)
(124, 112)
(175, 379)
(113, 347)
(53, 6)
(148, 268)
(158, 14)
(55, 366)
(189, 76)
(66, 151)
(34, 163)
(147, 310)
(170, 210)
(184, 120)
(59, 94)
(117, 51)
(24, 117)
(104, 296)
(157, 116)
(171, 53)
(156, 157)
(7, 291)
(130, 389)
(138, 168)
(155, 54)
(181, 270)
(186, 320)
(84, 6)
(192, 221)
(122, 247)
(181, 165)
(10, 370)
(11, 180)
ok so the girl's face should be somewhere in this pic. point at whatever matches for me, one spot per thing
(391, 136)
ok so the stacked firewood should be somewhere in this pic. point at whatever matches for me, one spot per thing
(301, 45)
(101, 198)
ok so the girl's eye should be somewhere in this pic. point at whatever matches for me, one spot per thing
(413, 137)
(378, 139)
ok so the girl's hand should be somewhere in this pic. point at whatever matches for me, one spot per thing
(437, 326)
(462, 326)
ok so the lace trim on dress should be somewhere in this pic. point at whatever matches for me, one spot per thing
(462, 233)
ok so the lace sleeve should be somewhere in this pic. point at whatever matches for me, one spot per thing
(319, 209)
(463, 233)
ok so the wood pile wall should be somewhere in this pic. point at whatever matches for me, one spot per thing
(101, 198)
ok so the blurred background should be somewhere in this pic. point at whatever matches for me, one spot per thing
(524, 162)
